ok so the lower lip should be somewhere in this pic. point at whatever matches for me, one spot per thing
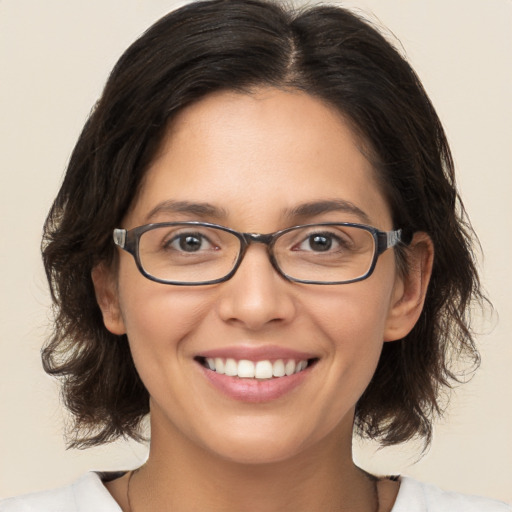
(255, 390)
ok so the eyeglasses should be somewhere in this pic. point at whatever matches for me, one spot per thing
(200, 253)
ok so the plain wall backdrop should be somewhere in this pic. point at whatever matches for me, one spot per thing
(55, 56)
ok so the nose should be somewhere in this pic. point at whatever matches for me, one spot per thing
(256, 296)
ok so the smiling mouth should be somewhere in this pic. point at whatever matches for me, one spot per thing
(263, 369)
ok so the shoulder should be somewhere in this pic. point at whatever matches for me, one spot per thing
(421, 497)
(85, 494)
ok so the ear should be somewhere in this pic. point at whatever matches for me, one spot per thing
(105, 287)
(410, 289)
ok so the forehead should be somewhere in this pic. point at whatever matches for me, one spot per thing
(258, 155)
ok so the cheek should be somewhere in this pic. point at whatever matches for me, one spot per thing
(352, 315)
(352, 322)
(158, 319)
(159, 327)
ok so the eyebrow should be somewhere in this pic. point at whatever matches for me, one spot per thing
(333, 205)
(207, 210)
(197, 209)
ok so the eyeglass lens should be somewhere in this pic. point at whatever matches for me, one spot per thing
(194, 254)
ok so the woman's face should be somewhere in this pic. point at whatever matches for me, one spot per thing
(253, 160)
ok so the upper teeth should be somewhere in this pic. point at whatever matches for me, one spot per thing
(258, 369)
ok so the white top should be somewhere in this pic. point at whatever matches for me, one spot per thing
(88, 494)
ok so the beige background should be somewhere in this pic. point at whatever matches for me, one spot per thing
(54, 58)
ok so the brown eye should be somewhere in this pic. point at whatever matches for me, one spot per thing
(189, 242)
(320, 242)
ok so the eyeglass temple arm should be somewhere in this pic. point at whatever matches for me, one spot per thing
(119, 236)
(387, 239)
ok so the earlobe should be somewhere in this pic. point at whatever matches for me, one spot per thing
(411, 289)
(105, 288)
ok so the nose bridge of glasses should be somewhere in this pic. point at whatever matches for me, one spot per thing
(265, 239)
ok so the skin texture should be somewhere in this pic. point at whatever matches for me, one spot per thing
(255, 157)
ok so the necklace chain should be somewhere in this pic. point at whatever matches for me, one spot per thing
(372, 479)
(130, 509)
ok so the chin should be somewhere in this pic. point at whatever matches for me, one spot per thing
(257, 453)
(259, 443)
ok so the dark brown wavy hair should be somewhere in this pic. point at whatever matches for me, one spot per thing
(214, 45)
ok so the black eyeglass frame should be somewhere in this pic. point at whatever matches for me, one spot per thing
(128, 240)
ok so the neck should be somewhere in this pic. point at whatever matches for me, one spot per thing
(181, 476)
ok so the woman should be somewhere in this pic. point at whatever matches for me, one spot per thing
(255, 243)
